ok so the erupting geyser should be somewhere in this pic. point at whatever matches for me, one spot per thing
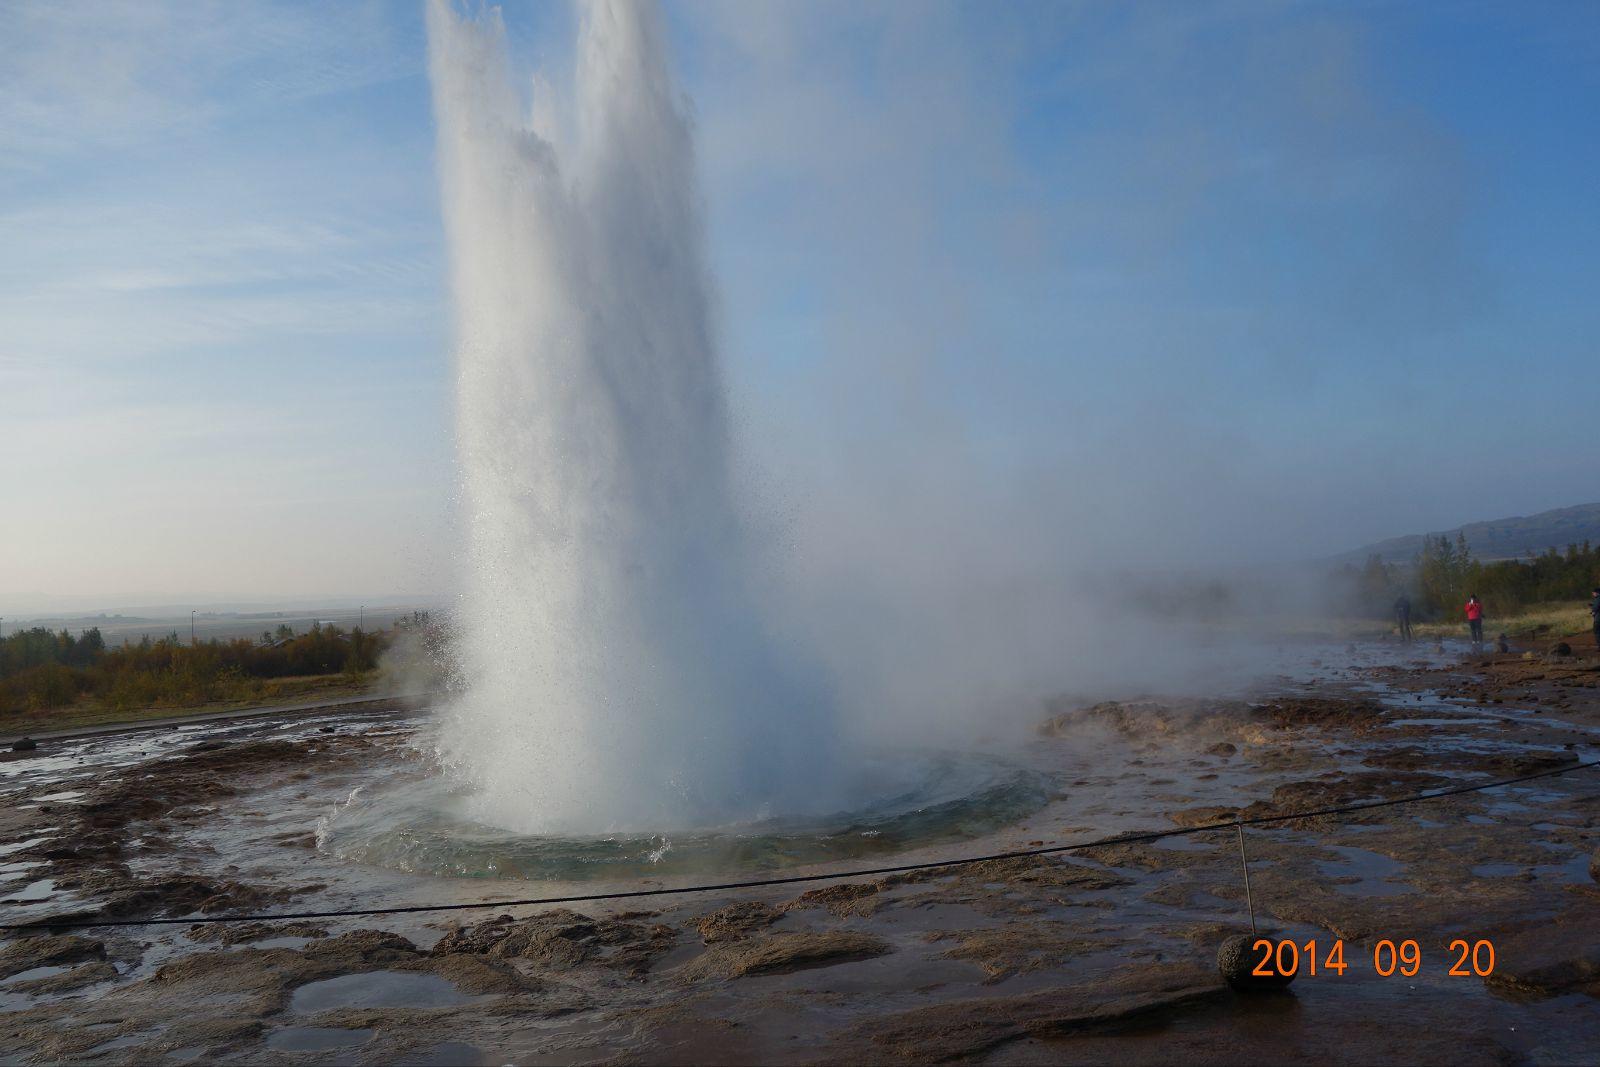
(616, 673)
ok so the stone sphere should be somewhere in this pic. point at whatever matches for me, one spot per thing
(1236, 959)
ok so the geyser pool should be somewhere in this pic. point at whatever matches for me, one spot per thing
(426, 826)
(615, 670)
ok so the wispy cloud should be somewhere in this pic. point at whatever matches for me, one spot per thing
(219, 287)
(1125, 273)
(75, 77)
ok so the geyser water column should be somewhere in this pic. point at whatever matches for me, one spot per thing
(616, 675)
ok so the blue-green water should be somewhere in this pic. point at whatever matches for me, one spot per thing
(420, 827)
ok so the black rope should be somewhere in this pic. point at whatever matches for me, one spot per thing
(796, 879)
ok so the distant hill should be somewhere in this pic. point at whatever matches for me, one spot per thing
(1499, 538)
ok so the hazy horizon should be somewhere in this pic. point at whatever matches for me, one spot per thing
(1197, 285)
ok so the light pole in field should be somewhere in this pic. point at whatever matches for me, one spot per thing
(191, 627)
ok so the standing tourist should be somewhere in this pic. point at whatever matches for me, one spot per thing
(1402, 617)
(1475, 621)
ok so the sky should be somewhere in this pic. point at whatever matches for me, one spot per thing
(1170, 284)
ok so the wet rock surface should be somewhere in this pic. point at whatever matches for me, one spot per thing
(1110, 952)
(781, 954)
(134, 815)
(736, 921)
(1560, 955)
(26, 953)
(969, 1028)
(562, 939)
(244, 933)
(1018, 947)
(169, 786)
(87, 974)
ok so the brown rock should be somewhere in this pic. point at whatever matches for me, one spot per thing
(849, 898)
(79, 977)
(562, 938)
(736, 921)
(966, 1029)
(780, 954)
(1017, 947)
(30, 952)
(244, 933)
(1202, 816)
(1559, 955)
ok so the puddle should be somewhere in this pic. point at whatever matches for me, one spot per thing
(37, 972)
(448, 1054)
(1573, 872)
(18, 846)
(1373, 870)
(1184, 844)
(33, 892)
(1507, 808)
(10, 872)
(112, 1046)
(1497, 870)
(315, 1038)
(378, 989)
(282, 942)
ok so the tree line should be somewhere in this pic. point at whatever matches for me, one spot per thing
(42, 668)
(1442, 576)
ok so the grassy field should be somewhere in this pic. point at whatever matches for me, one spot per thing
(1544, 620)
(89, 712)
(1552, 621)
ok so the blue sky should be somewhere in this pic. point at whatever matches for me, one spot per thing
(1162, 281)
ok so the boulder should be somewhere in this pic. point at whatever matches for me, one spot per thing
(24, 744)
(1237, 957)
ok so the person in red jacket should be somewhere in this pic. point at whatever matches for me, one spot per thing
(1475, 621)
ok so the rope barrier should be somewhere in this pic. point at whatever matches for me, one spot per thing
(798, 879)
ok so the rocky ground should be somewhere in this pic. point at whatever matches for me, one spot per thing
(1101, 954)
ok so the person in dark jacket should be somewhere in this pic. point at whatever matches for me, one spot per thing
(1594, 613)
(1402, 617)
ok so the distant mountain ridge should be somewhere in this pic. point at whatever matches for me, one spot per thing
(1499, 538)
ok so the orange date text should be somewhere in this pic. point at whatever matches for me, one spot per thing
(1388, 958)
